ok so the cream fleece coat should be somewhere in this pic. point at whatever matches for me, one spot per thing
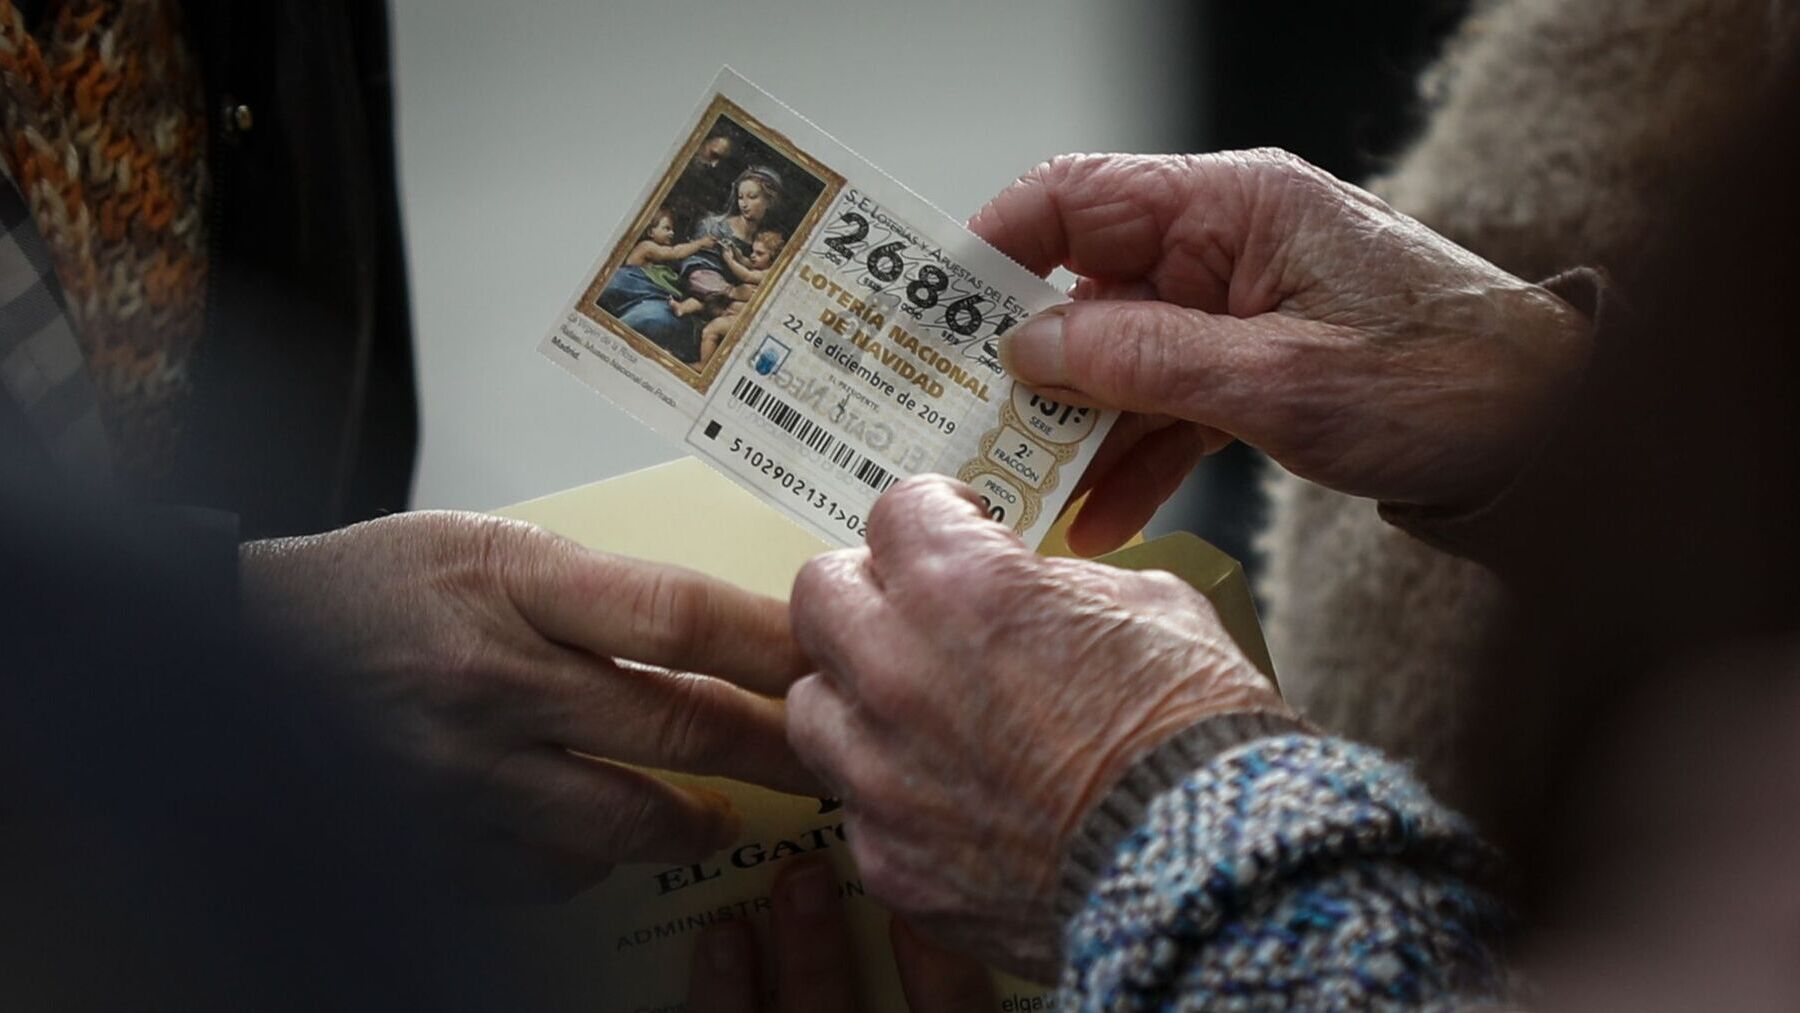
(1556, 125)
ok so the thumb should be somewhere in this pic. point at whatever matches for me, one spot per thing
(1157, 358)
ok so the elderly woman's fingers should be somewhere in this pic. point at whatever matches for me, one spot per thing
(1158, 358)
(1257, 295)
(1123, 438)
(1129, 492)
(940, 731)
(823, 729)
(836, 607)
(1133, 429)
(937, 980)
(1101, 216)
(926, 515)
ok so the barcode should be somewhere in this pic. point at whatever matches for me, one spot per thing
(815, 437)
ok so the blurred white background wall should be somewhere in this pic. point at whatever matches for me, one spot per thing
(527, 127)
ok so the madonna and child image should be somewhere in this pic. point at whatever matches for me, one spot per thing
(690, 271)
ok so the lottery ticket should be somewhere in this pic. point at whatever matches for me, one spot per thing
(796, 318)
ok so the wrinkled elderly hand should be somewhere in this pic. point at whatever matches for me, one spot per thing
(486, 652)
(1250, 295)
(975, 701)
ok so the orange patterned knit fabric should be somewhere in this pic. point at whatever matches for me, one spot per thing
(105, 134)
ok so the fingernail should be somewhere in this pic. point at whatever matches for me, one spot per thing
(809, 889)
(731, 822)
(1033, 351)
(734, 827)
(724, 948)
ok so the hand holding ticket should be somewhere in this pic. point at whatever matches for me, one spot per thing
(817, 332)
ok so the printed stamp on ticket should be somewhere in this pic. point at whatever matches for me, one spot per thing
(794, 317)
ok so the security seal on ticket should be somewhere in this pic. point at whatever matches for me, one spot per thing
(816, 331)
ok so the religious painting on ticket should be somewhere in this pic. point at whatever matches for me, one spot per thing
(702, 254)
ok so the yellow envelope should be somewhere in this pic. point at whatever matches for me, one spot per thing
(626, 944)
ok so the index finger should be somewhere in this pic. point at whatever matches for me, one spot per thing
(927, 520)
(674, 721)
(667, 616)
(1101, 216)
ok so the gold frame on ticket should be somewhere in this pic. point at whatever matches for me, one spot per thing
(680, 196)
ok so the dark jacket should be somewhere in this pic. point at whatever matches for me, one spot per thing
(303, 415)
(187, 822)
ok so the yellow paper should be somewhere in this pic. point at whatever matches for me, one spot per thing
(628, 941)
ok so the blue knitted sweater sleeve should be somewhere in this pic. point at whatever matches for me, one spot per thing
(1290, 873)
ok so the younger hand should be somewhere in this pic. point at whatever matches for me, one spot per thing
(1250, 295)
(486, 653)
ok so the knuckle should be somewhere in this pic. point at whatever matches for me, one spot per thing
(892, 696)
(1278, 162)
(499, 543)
(507, 555)
(820, 587)
(1052, 173)
(1004, 576)
(906, 498)
(1116, 359)
(909, 523)
(934, 585)
(1167, 344)
(808, 736)
(1134, 351)
(1163, 586)
(685, 727)
(1163, 583)
(805, 718)
(871, 783)
(669, 612)
(812, 585)
(875, 865)
(1283, 171)
(889, 877)
(1156, 181)
(928, 570)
